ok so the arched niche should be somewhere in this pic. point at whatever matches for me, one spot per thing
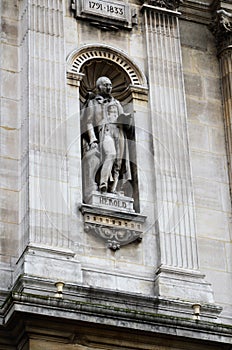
(88, 63)
(79, 59)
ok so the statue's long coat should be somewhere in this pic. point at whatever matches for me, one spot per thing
(93, 122)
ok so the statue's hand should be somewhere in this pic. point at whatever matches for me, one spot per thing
(93, 145)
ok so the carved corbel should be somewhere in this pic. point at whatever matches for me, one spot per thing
(116, 229)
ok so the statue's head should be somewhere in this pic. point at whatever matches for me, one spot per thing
(104, 86)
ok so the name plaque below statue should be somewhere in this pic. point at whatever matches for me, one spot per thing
(112, 201)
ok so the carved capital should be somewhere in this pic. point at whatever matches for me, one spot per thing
(166, 4)
(222, 29)
(74, 78)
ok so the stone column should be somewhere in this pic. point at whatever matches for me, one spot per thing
(223, 31)
(44, 106)
(178, 275)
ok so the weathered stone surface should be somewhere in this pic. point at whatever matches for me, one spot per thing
(197, 36)
(193, 85)
(205, 112)
(212, 223)
(213, 167)
(212, 254)
(199, 136)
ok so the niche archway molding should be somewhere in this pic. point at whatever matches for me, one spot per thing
(78, 58)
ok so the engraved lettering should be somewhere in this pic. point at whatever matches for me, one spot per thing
(99, 7)
(113, 202)
(110, 9)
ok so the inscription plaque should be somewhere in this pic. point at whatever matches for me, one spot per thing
(106, 13)
(112, 201)
(106, 8)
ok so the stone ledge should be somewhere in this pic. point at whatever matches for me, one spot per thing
(90, 209)
(121, 310)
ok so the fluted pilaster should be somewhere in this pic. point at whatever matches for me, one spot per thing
(178, 272)
(45, 247)
(173, 172)
(47, 128)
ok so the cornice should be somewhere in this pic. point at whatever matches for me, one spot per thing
(101, 307)
(164, 4)
(196, 11)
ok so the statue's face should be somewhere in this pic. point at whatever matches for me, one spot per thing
(105, 86)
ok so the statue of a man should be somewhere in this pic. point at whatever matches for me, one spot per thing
(106, 127)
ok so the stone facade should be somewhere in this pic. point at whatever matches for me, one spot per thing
(134, 264)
